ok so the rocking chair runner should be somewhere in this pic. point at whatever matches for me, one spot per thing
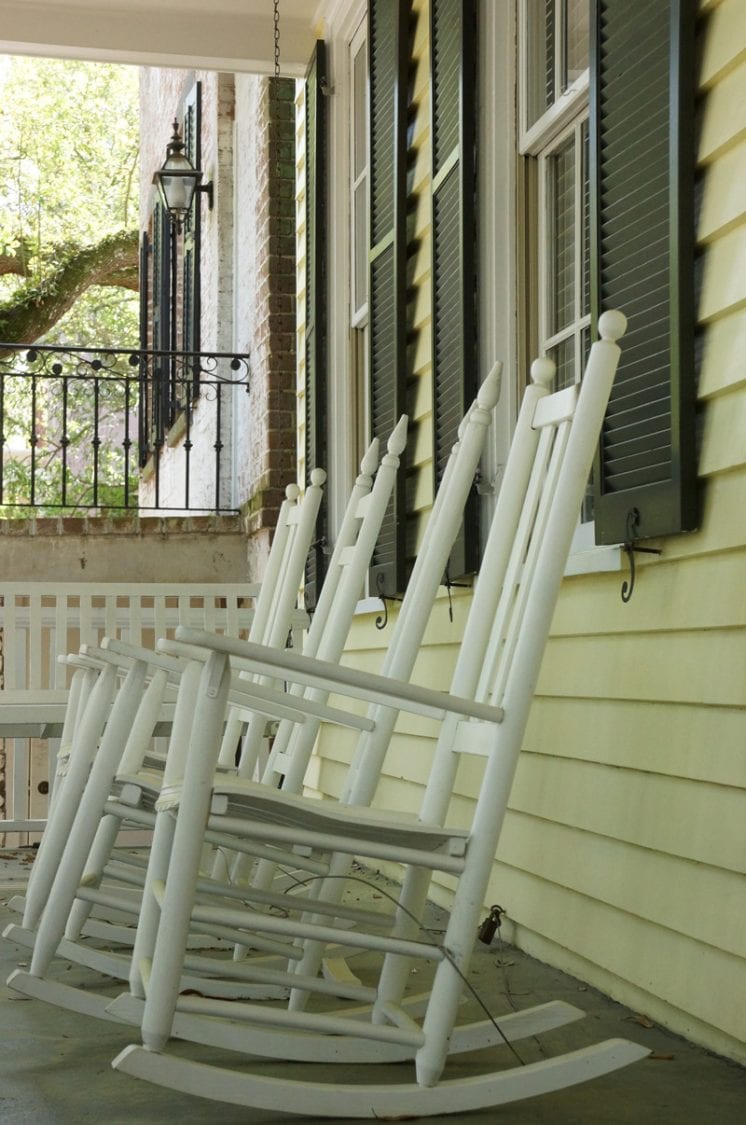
(485, 715)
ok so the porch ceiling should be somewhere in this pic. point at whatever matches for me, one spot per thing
(221, 34)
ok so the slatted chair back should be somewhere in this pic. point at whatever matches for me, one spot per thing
(292, 749)
(281, 581)
(343, 586)
(427, 575)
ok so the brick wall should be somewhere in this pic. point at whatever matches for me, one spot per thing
(247, 273)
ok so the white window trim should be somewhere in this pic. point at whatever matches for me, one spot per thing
(498, 244)
(342, 24)
(532, 138)
(580, 322)
(586, 557)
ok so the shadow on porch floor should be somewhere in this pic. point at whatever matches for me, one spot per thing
(55, 1066)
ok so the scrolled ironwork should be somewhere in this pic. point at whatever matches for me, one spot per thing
(68, 416)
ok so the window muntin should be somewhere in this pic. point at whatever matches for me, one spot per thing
(554, 112)
(554, 45)
(564, 255)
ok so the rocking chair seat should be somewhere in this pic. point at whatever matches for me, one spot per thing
(259, 811)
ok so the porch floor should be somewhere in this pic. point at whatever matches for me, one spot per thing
(55, 1065)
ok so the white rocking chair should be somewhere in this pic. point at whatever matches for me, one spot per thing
(76, 889)
(485, 715)
(294, 740)
(99, 736)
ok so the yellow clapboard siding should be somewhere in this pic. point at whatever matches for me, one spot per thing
(695, 593)
(723, 439)
(725, 42)
(421, 176)
(422, 399)
(675, 739)
(707, 667)
(688, 819)
(721, 126)
(422, 447)
(421, 358)
(722, 526)
(724, 347)
(696, 979)
(723, 195)
(724, 279)
(657, 887)
(420, 10)
(422, 312)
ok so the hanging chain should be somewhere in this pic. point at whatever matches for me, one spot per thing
(277, 37)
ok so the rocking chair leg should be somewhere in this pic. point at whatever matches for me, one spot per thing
(183, 872)
(101, 849)
(147, 925)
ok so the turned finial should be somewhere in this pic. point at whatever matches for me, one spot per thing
(543, 371)
(612, 325)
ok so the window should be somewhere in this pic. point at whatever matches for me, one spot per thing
(170, 312)
(612, 141)
(369, 219)
(554, 73)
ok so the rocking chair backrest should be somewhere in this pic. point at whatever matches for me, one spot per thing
(538, 507)
(427, 574)
(343, 585)
(287, 557)
(278, 596)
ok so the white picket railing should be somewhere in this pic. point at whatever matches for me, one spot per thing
(40, 621)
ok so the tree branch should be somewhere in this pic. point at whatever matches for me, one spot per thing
(33, 309)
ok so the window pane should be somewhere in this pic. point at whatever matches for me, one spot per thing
(360, 81)
(577, 15)
(561, 185)
(360, 249)
(540, 57)
(563, 355)
(585, 259)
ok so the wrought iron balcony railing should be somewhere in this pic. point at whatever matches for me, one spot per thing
(115, 429)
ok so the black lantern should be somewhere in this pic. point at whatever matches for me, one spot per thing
(178, 180)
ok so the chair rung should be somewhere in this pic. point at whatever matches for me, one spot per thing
(300, 1021)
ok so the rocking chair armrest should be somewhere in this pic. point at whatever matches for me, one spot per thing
(341, 680)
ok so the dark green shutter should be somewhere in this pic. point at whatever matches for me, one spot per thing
(453, 77)
(316, 376)
(143, 401)
(192, 133)
(642, 187)
(161, 326)
(388, 53)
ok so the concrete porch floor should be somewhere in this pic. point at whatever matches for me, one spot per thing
(55, 1065)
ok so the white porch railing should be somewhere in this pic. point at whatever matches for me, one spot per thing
(40, 621)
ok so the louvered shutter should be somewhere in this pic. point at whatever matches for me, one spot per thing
(316, 375)
(642, 172)
(388, 41)
(161, 327)
(453, 74)
(143, 400)
(192, 132)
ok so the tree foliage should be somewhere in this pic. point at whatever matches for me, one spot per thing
(69, 143)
